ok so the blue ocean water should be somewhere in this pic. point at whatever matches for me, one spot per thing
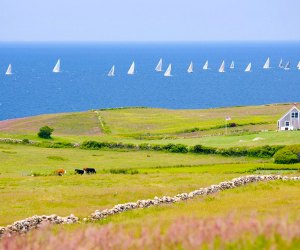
(33, 89)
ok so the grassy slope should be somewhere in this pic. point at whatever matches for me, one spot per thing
(163, 121)
(134, 124)
(84, 194)
(83, 123)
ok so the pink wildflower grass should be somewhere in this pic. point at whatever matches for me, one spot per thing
(184, 233)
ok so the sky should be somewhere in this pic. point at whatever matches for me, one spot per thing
(149, 20)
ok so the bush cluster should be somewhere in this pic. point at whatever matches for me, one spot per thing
(288, 155)
(99, 145)
(173, 148)
(55, 145)
(45, 132)
(260, 152)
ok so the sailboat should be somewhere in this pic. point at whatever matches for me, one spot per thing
(9, 70)
(56, 68)
(159, 66)
(112, 71)
(298, 66)
(190, 69)
(168, 71)
(232, 65)
(287, 66)
(131, 69)
(280, 64)
(267, 64)
(248, 68)
(205, 67)
(222, 67)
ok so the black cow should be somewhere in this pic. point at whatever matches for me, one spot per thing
(79, 171)
(89, 170)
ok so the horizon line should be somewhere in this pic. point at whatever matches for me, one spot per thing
(154, 41)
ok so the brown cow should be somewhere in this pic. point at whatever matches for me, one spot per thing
(60, 172)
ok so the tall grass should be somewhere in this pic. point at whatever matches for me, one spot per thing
(184, 233)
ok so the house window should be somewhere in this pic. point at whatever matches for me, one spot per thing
(287, 124)
(295, 115)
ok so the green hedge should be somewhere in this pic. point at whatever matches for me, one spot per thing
(99, 145)
(288, 155)
(173, 148)
(260, 152)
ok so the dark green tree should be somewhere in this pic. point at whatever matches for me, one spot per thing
(45, 132)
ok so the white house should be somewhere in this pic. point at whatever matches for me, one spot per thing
(290, 121)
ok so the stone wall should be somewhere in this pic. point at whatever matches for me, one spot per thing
(34, 222)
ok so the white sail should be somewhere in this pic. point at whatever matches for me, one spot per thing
(9, 70)
(280, 63)
(168, 71)
(248, 68)
(298, 66)
(287, 66)
(222, 67)
(131, 69)
(56, 68)
(159, 66)
(232, 65)
(112, 71)
(205, 67)
(267, 64)
(190, 69)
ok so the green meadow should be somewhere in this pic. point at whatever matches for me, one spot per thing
(28, 185)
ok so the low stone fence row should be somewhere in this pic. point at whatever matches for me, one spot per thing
(15, 141)
(24, 226)
(237, 182)
(28, 224)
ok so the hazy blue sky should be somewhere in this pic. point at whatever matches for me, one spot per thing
(149, 20)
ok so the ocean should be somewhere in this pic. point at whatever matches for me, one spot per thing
(83, 83)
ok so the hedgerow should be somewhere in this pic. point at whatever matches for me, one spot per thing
(260, 152)
(288, 155)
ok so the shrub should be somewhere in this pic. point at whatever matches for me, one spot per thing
(25, 141)
(260, 152)
(91, 145)
(60, 145)
(238, 151)
(144, 146)
(157, 147)
(264, 151)
(45, 132)
(288, 155)
(175, 148)
(202, 149)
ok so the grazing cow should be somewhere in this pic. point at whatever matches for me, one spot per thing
(79, 171)
(89, 170)
(60, 172)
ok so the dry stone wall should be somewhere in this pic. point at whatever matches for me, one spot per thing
(237, 182)
(28, 224)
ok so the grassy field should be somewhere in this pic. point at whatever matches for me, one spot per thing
(157, 173)
(28, 186)
(256, 126)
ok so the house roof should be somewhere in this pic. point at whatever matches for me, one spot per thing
(294, 107)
